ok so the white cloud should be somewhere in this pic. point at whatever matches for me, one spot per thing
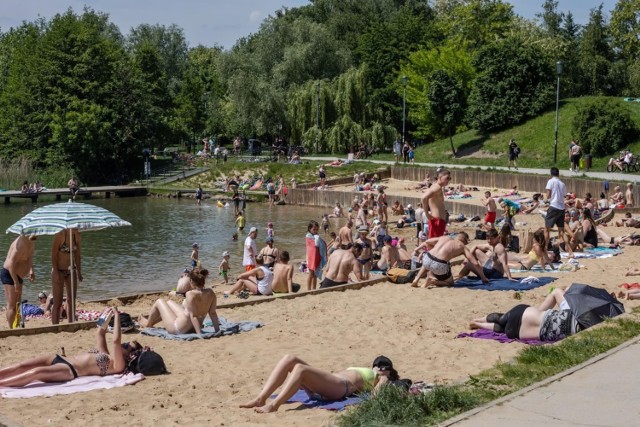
(255, 16)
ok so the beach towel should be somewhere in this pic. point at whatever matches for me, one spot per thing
(524, 284)
(226, 328)
(537, 269)
(40, 389)
(301, 396)
(486, 334)
(256, 186)
(316, 254)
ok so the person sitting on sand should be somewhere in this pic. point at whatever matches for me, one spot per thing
(404, 256)
(436, 260)
(262, 283)
(525, 322)
(340, 264)
(537, 255)
(492, 258)
(388, 255)
(53, 368)
(188, 318)
(628, 221)
(294, 373)
(283, 275)
(397, 208)
(533, 205)
(270, 254)
(617, 198)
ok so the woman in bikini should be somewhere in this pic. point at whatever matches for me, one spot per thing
(65, 243)
(295, 373)
(189, 317)
(537, 255)
(56, 368)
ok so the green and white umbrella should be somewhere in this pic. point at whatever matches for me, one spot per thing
(51, 219)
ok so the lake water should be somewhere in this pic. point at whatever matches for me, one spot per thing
(151, 254)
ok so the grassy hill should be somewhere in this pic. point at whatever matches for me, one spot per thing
(535, 138)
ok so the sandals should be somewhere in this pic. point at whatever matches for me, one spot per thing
(244, 295)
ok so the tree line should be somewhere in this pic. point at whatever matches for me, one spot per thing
(75, 93)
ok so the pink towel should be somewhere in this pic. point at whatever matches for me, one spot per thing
(40, 389)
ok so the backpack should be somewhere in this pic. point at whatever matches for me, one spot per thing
(516, 150)
(400, 275)
(147, 362)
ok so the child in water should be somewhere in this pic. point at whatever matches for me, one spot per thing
(223, 269)
(325, 223)
(194, 255)
(240, 221)
(234, 237)
(270, 230)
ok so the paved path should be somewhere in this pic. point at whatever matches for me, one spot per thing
(601, 392)
(610, 176)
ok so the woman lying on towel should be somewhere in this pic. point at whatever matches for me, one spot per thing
(55, 368)
(189, 318)
(294, 373)
(526, 322)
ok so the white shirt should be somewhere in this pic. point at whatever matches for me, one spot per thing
(420, 215)
(558, 190)
(246, 259)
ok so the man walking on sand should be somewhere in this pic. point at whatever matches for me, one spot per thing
(433, 203)
(435, 262)
(18, 264)
(555, 214)
(490, 218)
(341, 263)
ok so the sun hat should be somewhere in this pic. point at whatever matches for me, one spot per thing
(225, 253)
(42, 294)
(253, 230)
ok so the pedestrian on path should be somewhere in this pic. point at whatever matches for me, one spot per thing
(514, 152)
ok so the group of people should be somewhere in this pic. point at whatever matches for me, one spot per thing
(34, 187)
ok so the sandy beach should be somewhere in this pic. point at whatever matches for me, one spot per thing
(416, 328)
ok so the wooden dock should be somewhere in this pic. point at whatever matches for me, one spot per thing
(85, 192)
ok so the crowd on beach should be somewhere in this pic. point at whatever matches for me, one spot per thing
(363, 244)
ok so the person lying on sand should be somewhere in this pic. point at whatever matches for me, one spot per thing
(628, 221)
(190, 317)
(629, 294)
(436, 261)
(293, 373)
(53, 368)
(633, 272)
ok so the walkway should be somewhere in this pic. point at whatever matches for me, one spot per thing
(610, 176)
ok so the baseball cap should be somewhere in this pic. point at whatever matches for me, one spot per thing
(387, 238)
(253, 230)
(225, 253)
(409, 206)
(269, 239)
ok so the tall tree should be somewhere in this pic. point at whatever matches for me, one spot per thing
(596, 55)
(447, 102)
(551, 18)
(625, 28)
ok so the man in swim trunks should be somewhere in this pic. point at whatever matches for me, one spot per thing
(344, 234)
(433, 203)
(341, 263)
(492, 257)
(490, 217)
(18, 264)
(388, 255)
(436, 260)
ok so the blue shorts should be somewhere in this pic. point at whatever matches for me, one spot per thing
(5, 277)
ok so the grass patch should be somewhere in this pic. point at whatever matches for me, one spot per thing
(533, 364)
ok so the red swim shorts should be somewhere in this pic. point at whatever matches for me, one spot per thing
(490, 217)
(437, 226)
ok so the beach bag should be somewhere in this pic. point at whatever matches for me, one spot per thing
(481, 235)
(514, 244)
(526, 241)
(126, 323)
(400, 275)
(147, 362)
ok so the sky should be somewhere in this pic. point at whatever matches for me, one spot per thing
(217, 22)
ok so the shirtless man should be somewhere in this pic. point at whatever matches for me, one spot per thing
(436, 261)
(388, 255)
(490, 217)
(367, 250)
(18, 264)
(433, 203)
(492, 257)
(337, 211)
(344, 234)
(340, 264)
(629, 202)
(283, 275)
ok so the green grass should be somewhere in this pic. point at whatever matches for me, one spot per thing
(535, 138)
(533, 364)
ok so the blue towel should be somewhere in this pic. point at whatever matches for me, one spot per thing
(501, 284)
(226, 328)
(301, 396)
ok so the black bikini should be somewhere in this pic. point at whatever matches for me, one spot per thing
(59, 359)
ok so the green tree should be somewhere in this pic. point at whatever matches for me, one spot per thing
(551, 18)
(447, 104)
(604, 127)
(596, 55)
(625, 27)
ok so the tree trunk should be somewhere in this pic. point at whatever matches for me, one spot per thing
(453, 150)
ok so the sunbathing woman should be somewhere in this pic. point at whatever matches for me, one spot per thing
(295, 373)
(526, 322)
(55, 368)
(189, 318)
(537, 255)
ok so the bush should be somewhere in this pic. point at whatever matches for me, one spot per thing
(604, 127)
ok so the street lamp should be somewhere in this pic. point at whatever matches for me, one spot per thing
(555, 143)
(404, 105)
(317, 113)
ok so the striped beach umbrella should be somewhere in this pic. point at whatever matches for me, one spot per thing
(51, 219)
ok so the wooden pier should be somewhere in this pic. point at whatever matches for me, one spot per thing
(85, 192)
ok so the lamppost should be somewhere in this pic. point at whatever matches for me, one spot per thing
(317, 113)
(404, 105)
(555, 143)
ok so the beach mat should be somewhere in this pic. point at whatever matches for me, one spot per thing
(226, 328)
(77, 385)
(593, 253)
(301, 396)
(524, 284)
(486, 334)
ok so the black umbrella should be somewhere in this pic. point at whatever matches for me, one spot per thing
(590, 305)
